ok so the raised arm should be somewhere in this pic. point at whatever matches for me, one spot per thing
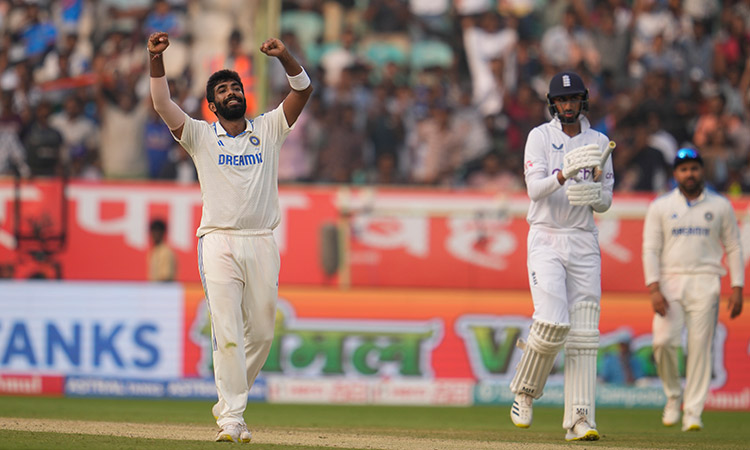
(298, 79)
(169, 111)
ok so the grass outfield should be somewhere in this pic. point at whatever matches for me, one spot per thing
(40, 423)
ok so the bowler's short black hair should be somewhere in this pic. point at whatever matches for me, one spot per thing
(220, 77)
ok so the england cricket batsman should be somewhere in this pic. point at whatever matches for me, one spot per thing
(568, 176)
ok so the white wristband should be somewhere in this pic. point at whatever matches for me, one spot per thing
(299, 82)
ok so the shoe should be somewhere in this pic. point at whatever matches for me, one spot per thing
(691, 423)
(215, 410)
(581, 431)
(245, 435)
(234, 432)
(671, 414)
(522, 412)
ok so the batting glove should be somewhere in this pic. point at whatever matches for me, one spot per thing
(583, 194)
(587, 156)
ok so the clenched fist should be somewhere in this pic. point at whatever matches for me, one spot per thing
(157, 42)
(273, 47)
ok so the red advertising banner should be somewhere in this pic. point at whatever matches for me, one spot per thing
(430, 346)
(32, 385)
(328, 236)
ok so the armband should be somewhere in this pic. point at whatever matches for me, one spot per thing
(299, 82)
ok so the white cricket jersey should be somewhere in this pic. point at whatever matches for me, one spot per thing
(683, 237)
(238, 175)
(546, 147)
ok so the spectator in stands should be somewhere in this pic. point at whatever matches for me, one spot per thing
(570, 44)
(485, 41)
(38, 34)
(643, 167)
(495, 175)
(157, 143)
(430, 19)
(335, 60)
(163, 18)
(69, 59)
(612, 46)
(340, 159)
(237, 59)
(123, 120)
(80, 134)
(44, 144)
(162, 261)
(697, 50)
(435, 148)
(12, 153)
(703, 51)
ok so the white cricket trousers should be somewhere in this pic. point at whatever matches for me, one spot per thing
(693, 303)
(240, 272)
(564, 268)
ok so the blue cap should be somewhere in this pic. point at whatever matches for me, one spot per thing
(687, 154)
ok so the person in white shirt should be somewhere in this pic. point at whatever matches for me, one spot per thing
(568, 176)
(685, 235)
(237, 164)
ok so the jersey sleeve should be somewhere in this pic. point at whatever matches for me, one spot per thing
(534, 155)
(538, 184)
(190, 132)
(274, 124)
(653, 243)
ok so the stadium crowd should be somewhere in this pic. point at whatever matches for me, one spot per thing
(416, 92)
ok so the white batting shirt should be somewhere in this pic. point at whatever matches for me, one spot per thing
(238, 174)
(546, 147)
(686, 237)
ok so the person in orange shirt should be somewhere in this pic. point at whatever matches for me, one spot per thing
(242, 63)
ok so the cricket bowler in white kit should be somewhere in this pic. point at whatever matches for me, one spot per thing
(568, 176)
(237, 164)
(685, 235)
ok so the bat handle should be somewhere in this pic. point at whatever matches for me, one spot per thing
(608, 151)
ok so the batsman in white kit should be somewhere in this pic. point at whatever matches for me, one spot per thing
(568, 176)
(685, 235)
(237, 164)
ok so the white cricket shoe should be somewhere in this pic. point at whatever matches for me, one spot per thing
(234, 432)
(245, 435)
(671, 414)
(216, 410)
(582, 431)
(522, 411)
(691, 423)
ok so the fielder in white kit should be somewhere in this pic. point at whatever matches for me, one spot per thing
(685, 235)
(568, 176)
(237, 164)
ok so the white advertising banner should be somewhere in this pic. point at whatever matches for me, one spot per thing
(127, 330)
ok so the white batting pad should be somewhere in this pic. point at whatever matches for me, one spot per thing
(580, 365)
(545, 341)
(586, 156)
(583, 194)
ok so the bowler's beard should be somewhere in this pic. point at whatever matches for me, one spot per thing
(233, 112)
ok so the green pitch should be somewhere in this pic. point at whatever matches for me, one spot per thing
(40, 423)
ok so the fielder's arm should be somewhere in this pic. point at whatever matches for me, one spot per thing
(168, 110)
(730, 239)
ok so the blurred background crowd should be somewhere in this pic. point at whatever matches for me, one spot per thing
(407, 92)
